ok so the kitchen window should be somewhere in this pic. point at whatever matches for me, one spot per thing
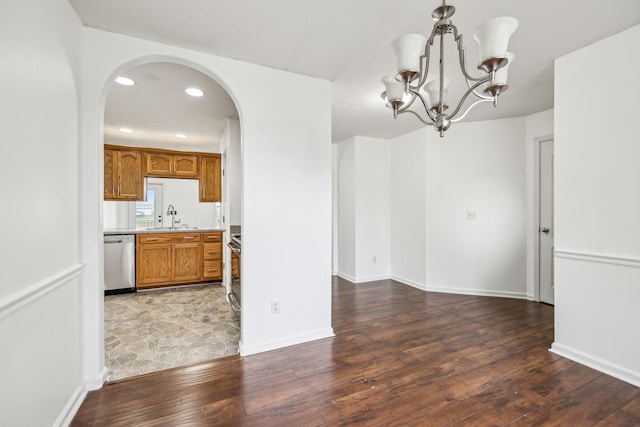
(149, 212)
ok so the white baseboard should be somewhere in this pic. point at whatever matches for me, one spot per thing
(362, 279)
(70, 409)
(97, 382)
(477, 292)
(346, 277)
(409, 282)
(596, 363)
(286, 342)
(371, 279)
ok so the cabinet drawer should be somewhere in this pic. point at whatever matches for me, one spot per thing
(212, 270)
(212, 251)
(150, 238)
(212, 237)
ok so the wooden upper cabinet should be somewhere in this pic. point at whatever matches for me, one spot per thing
(172, 165)
(109, 175)
(210, 178)
(185, 165)
(123, 179)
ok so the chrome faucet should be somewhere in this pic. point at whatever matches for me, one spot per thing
(172, 211)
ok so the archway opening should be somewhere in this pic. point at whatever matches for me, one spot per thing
(178, 320)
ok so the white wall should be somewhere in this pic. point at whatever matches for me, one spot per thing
(596, 210)
(363, 209)
(286, 163)
(40, 329)
(346, 166)
(233, 173)
(408, 208)
(183, 194)
(372, 209)
(480, 167)
(334, 208)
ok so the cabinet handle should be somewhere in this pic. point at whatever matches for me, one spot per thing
(188, 237)
(212, 269)
(212, 252)
(150, 239)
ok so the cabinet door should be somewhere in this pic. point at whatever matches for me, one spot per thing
(212, 251)
(187, 260)
(153, 264)
(185, 166)
(129, 173)
(109, 175)
(210, 179)
(212, 270)
(159, 164)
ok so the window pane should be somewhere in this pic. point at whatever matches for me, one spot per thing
(145, 210)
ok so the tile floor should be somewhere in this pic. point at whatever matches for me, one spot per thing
(154, 330)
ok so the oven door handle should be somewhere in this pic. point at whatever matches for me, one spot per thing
(233, 297)
(233, 247)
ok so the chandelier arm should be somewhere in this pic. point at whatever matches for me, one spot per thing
(425, 59)
(408, 104)
(417, 115)
(425, 103)
(462, 57)
(469, 109)
(464, 98)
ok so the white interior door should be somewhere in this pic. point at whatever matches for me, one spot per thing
(545, 226)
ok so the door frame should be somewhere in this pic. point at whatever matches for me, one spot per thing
(536, 214)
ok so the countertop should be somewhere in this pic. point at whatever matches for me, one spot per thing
(112, 231)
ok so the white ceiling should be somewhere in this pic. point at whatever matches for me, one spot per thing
(156, 108)
(348, 42)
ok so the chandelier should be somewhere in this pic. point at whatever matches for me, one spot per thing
(413, 53)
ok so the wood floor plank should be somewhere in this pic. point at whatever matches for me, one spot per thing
(400, 357)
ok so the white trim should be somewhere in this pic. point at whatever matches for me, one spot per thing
(70, 409)
(346, 277)
(409, 282)
(287, 341)
(477, 292)
(97, 382)
(26, 296)
(371, 279)
(601, 258)
(596, 363)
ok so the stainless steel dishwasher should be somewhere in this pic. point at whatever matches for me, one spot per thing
(119, 263)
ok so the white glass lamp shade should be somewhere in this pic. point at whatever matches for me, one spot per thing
(395, 89)
(501, 74)
(408, 49)
(493, 36)
(433, 91)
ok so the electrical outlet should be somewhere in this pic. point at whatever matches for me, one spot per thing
(472, 215)
(275, 307)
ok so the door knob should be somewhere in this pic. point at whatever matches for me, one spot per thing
(545, 230)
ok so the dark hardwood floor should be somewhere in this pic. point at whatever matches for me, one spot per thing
(400, 357)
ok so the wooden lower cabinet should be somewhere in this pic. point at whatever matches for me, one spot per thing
(212, 256)
(170, 259)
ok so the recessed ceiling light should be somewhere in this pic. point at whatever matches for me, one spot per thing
(194, 91)
(124, 81)
(126, 130)
(181, 135)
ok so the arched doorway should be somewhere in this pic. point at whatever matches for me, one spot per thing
(167, 326)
